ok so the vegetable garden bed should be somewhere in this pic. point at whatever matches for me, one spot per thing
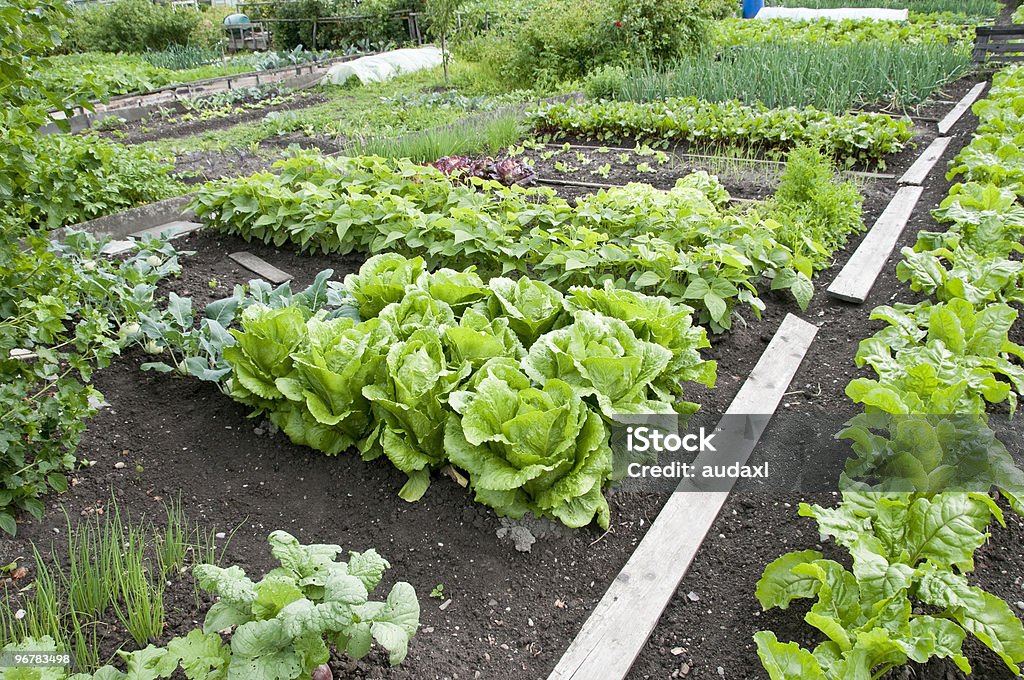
(507, 597)
(515, 612)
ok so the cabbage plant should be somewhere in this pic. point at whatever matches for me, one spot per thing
(528, 448)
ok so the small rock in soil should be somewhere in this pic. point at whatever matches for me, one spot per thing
(444, 605)
(119, 465)
(693, 597)
(521, 537)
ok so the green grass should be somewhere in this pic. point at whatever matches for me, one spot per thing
(489, 135)
(984, 8)
(831, 78)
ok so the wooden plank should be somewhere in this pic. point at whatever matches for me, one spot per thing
(261, 267)
(918, 172)
(858, 276)
(947, 123)
(169, 230)
(619, 626)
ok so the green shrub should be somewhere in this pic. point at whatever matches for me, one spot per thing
(605, 82)
(555, 41)
(664, 29)
(377, 27)
(817, 214)
(131, 26)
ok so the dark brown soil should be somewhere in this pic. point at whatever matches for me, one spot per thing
(511, 614)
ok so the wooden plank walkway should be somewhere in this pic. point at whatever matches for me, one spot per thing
(854, 282)
(261, 267)
(918, 172)
(619, 626)
(951, 118)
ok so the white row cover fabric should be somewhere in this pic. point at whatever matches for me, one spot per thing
(380, 67)
(804, 14)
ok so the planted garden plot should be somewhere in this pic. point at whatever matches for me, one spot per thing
(436, 369)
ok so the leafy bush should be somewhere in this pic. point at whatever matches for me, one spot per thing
(76, 178)
(660, 30)
(605, 82)
(131, 26)
(376, 25)
(816, 214)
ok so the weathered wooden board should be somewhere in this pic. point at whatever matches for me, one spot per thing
(261, 267)
(169, 230)
(858, 276)
(918, 172)
(951, 118)
(619, 626)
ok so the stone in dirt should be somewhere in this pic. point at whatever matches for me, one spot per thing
(521, 537)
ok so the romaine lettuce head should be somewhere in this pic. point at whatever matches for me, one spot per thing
(417, 310)
(330, 374)
(263, 350)
(382, 280)
(409, 399)
(478, 338)
(654, 319)
(457, 289)
(530, 449)
(532, 307)
(601, 358)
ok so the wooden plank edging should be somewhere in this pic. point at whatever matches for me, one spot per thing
(951, 118)
(619, 626)
(854, 282)
(918, 172)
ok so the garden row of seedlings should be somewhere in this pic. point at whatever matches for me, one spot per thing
(916, 501)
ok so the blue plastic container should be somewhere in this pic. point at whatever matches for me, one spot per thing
(751, 8)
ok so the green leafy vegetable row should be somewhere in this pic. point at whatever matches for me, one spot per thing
(851, 138)
(283, 627)
(916, 505)
(922, 29)
(679, 243)
(508, 380)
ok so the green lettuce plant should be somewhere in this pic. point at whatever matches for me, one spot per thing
(410, 406)
(529, 448)
(600, 358)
